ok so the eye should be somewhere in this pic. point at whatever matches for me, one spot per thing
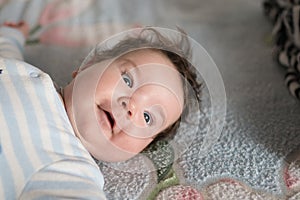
(127, 79)
(147, 118)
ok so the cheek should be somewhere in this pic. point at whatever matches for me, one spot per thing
(106, 84)
(173, 110)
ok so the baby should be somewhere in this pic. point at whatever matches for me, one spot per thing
(118, 102)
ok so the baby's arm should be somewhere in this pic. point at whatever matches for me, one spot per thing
(12, 39)
(68, 179)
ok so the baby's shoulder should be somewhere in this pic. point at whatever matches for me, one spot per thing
(16, 67)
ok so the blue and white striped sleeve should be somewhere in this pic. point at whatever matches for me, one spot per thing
(11, 43)
(68, 179)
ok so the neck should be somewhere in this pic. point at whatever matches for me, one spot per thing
(67, 100)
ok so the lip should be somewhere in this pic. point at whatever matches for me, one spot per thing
(103, 120)
(111, 119)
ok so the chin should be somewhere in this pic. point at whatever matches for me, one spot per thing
(121, 156)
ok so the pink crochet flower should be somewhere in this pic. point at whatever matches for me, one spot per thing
(3, 2)
(84, 35)
(180, 192)
(62, 35)
(233, 189)
(55, 12)
(292, 175)
(54, 32)
(51, 31)
(61, 10)
(292, 171)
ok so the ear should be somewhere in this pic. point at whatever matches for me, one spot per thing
(74, 73)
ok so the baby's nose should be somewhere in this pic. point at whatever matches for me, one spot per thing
(127, 105)
(126, 108)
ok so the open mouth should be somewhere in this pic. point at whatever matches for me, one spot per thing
(110, 119)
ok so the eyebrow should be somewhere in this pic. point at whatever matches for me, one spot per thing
(162, 115)
(129, 60)
(134, 66)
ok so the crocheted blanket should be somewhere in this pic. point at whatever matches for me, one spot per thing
(257, 156)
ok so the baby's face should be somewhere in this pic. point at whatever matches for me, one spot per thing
(135, 97)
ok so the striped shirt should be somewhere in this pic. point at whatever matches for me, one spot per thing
(40, 156)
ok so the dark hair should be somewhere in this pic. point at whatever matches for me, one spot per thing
(178, 52)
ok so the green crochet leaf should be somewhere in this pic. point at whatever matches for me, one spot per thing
(162, 155)
(170, 179)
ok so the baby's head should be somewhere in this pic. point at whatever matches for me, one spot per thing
(122, 98)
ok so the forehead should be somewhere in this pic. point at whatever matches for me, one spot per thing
(144, 56)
